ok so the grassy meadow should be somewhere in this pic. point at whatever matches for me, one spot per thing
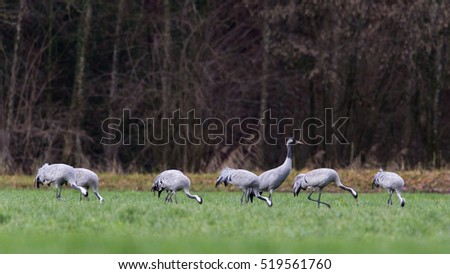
(130, 221)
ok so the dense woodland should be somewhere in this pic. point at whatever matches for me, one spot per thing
(67, 65)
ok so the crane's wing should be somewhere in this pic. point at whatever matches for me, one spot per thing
(238, 177)
(317, 177)
(391, 180)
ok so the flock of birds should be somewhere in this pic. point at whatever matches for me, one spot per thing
(251, 184)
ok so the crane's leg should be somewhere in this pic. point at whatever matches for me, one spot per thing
(318, 201)
(242, 197)
(309, 196)
(168, 199)
(270, 195)
(320, 194)
(389, 201)
(250, 195)
(174, 194)
(58, 192)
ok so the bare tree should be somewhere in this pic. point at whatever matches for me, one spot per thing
(112, 151)
(73, 150)
(6, 160)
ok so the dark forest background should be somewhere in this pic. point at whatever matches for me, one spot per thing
(66, 66)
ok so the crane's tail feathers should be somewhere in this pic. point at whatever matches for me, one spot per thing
(37, 183)
(218, 181)
(222, 179)
(375, 184)
(225, 176)
(157, 186)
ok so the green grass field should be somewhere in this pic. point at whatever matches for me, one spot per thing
(32, 221)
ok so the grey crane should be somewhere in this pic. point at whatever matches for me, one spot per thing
(59, 174)
(273, 178)
(243, 179)
(318, 179)
(88, 179)
(392, 182)
(173, 180)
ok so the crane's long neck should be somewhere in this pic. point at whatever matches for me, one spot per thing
(349, 189)
(289, 152)
(288, 162)
(196, 197)
(338, 182)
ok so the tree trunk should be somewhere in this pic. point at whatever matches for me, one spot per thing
(165, 80)
(441, 49)
(264, 95)
(6, 159)
(112, 151)
(73, 151)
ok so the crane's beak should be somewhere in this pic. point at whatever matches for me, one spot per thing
(356, 200)
(299, 142)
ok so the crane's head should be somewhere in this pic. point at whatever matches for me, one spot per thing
(292, 141)
(299, 184)
(355, 195)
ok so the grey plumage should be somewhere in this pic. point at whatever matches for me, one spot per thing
(243, 179)
(172, 181)
(392, 182)
(318, 179)
(58, 174)
(88, 179)
(273, 178)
